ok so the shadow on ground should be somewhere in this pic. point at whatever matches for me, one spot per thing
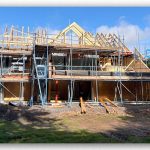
(129, 125)
(136, 125)
(19, 125)
(22, 125)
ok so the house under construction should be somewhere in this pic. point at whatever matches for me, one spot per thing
(40, 68)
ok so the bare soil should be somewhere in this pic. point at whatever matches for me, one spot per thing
(128, 120)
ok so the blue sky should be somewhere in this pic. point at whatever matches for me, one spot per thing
(92, 19)
(58, 17)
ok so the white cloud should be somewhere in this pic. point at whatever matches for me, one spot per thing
(131, 33)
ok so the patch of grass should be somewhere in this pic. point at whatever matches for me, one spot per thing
(14, 132)
(124, 117)
(135, 139)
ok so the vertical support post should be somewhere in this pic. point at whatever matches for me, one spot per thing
(1, 65)
(122, 60)
(119, 64)
(47, 72)
(1, 83)
(71, 82)
(32, 72)
(32, 85)
(22, 93)
(1, 93)
(96, 84)
(68, 94)
(22, 84)
(56, 96)
(96, 76)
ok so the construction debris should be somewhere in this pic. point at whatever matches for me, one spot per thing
(17, 104)
(104, 102)
(82, 105)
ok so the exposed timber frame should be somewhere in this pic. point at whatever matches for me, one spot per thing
(111, 61)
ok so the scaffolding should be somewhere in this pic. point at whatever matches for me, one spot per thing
(84, 57)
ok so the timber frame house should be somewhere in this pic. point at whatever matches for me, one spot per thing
(39, 67)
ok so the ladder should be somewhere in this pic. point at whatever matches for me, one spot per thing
(42, 97)
(39, 74)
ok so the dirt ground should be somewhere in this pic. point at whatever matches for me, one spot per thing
(127, 121)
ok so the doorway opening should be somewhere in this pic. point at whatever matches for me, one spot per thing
(82, 88)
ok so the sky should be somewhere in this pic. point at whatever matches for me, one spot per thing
(132, 23)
